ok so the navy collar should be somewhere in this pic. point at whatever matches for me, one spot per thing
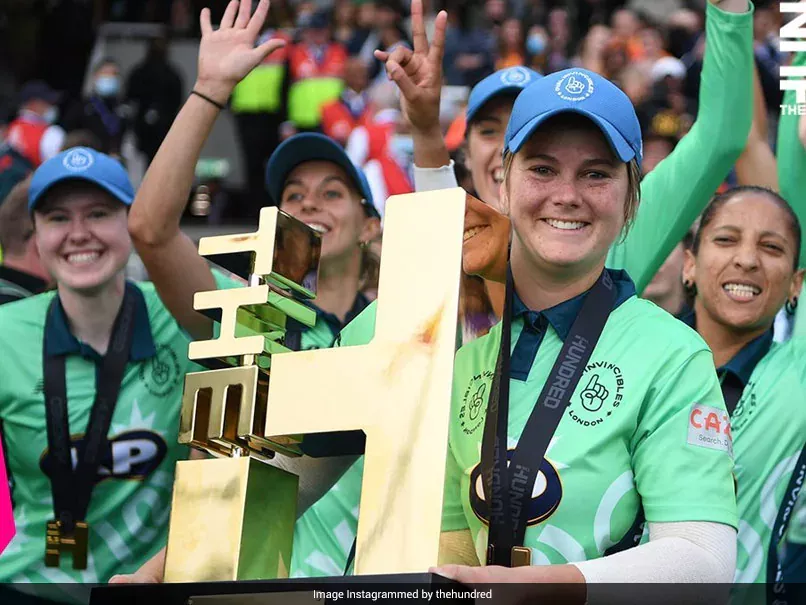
(60, 340)
(334, 323)
(745, 361)
(562, 316)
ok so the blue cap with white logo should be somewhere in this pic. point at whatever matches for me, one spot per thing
(583, 92)
(309, 147)
(81, 164)
(511, 80)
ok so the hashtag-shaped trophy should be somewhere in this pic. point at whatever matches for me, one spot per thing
(219, 527)
(233, 515)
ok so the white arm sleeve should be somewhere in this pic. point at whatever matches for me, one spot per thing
(431, 179)
(676, 552)
(51, 142)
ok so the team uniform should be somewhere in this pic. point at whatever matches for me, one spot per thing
(130, 504)
(769, 431)
(646, 427)
(704, 155)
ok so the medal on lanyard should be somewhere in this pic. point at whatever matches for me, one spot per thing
(72, 488)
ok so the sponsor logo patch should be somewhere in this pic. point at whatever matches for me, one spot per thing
(709, 427)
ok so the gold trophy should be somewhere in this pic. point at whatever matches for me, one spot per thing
(233, 515)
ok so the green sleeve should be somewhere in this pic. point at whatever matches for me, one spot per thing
(682, 452)
(361, 330)
(673, 195)
(791, 157)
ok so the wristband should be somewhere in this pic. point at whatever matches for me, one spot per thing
(208, 99)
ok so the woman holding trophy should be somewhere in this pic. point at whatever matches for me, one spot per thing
(668, 206)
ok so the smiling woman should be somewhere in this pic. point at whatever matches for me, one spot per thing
(743, 266)
(95, 334)
(594, 386)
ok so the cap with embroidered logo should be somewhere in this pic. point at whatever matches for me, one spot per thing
(511, 80)
(585, 93)
(81, 164)
(309, 147)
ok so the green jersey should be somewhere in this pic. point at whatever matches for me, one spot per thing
(646, 427)
(769, 431)
(130, 504)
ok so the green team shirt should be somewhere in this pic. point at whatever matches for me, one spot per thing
(668, 207)
(769, 431)
(646, 426)
(130, 505)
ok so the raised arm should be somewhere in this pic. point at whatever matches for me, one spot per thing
(679, 188)
(757, 165)
(418, 75)
(173, 263)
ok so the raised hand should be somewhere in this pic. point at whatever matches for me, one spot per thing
(228, 54)
(418, 72)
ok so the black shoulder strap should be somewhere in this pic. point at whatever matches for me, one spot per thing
(776, 589)
(72, 489)
(508, 515)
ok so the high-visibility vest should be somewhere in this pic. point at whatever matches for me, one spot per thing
(313, 83)
(338, 121)
(261, 91)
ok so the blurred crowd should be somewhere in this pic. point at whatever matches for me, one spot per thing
(326, 78)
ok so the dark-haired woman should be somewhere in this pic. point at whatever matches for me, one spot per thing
(743, 268)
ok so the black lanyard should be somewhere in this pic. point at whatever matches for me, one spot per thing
(72, 488)
(509, 487)
(776, 589)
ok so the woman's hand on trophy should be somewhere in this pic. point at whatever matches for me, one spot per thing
(418, 72)
(228, 54)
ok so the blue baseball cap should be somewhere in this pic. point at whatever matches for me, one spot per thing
(511, 80)
(81, 164)
(583, 92)
(308, 147)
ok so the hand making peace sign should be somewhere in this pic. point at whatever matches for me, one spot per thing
(418, 72)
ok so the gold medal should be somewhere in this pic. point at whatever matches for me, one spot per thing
(57, 542)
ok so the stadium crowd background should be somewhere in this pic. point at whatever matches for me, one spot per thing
(120, 85)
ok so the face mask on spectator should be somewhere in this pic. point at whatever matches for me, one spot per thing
(535, 44)
(107, 86)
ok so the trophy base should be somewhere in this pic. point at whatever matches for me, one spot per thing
(387, 588)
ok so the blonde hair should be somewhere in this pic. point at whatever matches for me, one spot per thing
(633, 188)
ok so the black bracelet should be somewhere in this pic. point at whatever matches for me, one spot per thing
(208, 99)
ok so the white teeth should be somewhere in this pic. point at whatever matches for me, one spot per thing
(318, 227)
(82, 258)
(742, 290)
(498, 175)
(471, 232)
(565, 225)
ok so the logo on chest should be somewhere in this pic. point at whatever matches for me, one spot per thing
(746, 408)
(599, 393)
(540, 504)
(131, 455)
(161, 373)
(474, 402)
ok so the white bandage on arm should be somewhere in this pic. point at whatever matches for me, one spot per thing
(431, 179)
(676, 552)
